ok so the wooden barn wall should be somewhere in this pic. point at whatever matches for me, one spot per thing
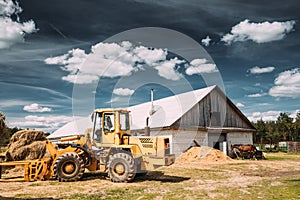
(215, 137)
(210, 112)
(183, 139)
(239, 138)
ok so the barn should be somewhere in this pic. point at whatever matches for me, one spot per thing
(206, 116)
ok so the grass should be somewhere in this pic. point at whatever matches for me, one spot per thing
(36, 184)
(183, 188)
(120, 193)
(247, 180)
(281, 189)
(288, 190)
(283, 156)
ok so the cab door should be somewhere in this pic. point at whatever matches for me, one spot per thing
(109, 127)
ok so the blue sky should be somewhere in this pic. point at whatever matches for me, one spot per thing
(64, 58)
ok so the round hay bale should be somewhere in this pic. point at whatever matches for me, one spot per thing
(26, 145)
(27, 136)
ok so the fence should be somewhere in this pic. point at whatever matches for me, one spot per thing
(268, 147)
(293, 147)
(286, 146)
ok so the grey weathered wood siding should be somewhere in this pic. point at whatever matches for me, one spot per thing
(215, 110)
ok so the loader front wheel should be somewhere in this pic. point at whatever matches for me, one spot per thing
(121, 168)
(69, 167)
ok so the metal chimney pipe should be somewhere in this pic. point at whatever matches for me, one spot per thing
(152, 97)
(152, 106)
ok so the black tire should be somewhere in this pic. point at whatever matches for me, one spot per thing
(121, 168)
(69, 167)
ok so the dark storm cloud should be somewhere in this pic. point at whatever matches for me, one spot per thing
(97, 20)
(90, 19)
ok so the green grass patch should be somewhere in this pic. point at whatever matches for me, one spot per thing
(283, 156)
(35, 184)
(120, 193)
(277, 190)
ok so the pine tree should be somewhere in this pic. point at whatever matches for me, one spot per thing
(284, 123)
(4, 130)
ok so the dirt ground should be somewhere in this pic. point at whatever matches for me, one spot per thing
(278, 177)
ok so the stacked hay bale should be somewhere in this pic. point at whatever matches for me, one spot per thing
(26, 145)
(202, 154)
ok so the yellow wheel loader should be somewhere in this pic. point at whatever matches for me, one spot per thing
(108, 147)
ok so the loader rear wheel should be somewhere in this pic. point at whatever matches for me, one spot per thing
(121, 168)
(69, 167)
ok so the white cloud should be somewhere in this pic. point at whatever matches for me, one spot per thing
(167, 70)
(258, 70)
(70, 61)
(8, 8)
(104, 60)
(206, 41)
(36, 108)
(199, 66)
(113, 100)
(113, 60)
(256, 95)
(47, 123)
(294, 114)
(287, 84)
(266, 116)
(239, 104)
(12, 32)
(123, 91)
(117, 60)
(80, 78)
(258, 32)
(150, 56)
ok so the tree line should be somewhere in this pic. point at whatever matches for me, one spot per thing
(285, 128)
(5, 131)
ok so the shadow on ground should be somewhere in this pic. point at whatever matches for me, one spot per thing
(159, 176)
(150, 176)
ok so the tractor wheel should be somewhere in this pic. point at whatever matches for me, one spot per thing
(69, 167)
(121, 168)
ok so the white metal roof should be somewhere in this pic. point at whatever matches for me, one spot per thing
(76, 127)
(166, 112)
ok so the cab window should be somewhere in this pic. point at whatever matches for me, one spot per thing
(98, 130)
(124, 121)
(109, 125)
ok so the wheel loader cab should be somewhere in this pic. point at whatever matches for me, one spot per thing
(111, 126)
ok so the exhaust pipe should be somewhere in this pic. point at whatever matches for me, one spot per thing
(147, 128)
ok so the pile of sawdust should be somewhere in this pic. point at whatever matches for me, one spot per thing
(26, 145)
(202, 154)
